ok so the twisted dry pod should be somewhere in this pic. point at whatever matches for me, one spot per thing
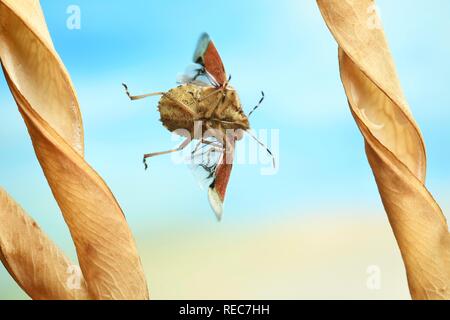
(46, 99)
(394, 144)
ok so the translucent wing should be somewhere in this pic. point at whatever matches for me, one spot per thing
(212, 168)
(195, 74)
(204, 160)
(207, 55)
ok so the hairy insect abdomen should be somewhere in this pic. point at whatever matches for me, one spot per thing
(184, 106)
(178, 108)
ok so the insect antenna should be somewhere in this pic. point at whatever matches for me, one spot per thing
(141, 96)
(258, 105)
(262, 145)
(226, 83)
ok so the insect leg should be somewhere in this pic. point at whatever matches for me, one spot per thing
(209, 95)
(259, 103)
(210, 143)
(196, 148)
(179, 103)
(141, 96)
(204, 143)
(262, 145)
(150, 155)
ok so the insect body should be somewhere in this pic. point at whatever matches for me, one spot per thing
(205, 108)
(188, 104)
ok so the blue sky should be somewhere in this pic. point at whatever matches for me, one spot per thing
(283, 48)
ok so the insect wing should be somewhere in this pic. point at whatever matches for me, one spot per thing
(212, 169)
(207, 55)
(218, 188)
(194, 74)
(203, 163)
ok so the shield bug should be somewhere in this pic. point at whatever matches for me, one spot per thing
(205, 107)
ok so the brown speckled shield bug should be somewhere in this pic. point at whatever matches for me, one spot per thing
(205, 100)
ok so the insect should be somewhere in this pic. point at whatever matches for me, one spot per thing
(205, 107)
